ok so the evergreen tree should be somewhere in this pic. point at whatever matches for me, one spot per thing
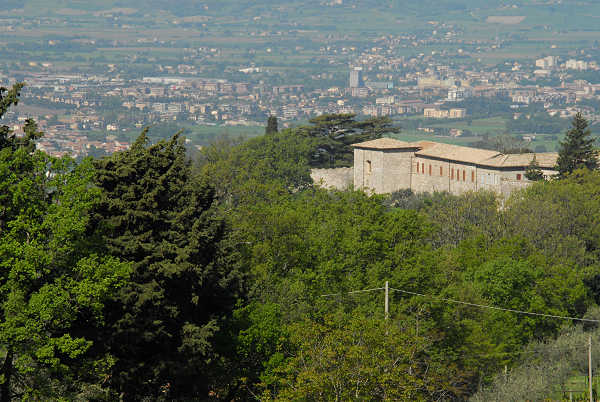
(158, 216)
(533, 171)
(577, 150)
(272, 126)
(334, 133)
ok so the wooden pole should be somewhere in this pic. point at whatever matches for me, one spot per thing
(590, 367)
(387, 303)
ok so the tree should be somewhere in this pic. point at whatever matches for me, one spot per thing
(271, 125)
(8, 98)
(348, 358)
(157, 215)
(53, 288)
(577, 150)
(334, 133)
(533, 171)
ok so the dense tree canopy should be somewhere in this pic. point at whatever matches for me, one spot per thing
(53, 287)
(139, 276)
(157, 215)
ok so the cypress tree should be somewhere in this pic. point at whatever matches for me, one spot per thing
(533, 171)
(156, 215)
(272, 126)
(577, 150)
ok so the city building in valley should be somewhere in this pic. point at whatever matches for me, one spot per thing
(356, 78)
(387, 165)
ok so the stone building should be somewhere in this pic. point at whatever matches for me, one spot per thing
(386, 165)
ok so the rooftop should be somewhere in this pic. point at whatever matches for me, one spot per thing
(483, 157)
(385, 143)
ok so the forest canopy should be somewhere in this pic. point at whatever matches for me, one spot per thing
(147, 275)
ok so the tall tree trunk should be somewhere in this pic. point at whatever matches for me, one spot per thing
(7, 371)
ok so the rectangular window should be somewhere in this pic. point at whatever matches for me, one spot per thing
(452, 174)
(417, 167)
(423, 168)
(369, 167)
(464, 175)
(518, 176)
(429, 170)
(473, 176)
(441, 171)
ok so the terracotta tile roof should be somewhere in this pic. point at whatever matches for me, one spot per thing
(384, 143)
(483, 157)
(458, 153)
(546, 160)
(424, 144)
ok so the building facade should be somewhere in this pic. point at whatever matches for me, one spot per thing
(386, 165)
(356, 78)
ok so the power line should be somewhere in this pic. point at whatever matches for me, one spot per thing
(354, 291)
(465, 303)
(494, 307)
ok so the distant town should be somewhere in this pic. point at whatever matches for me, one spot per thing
(96, 105)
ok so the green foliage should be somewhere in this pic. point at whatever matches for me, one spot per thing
(560, 217)
(258, 169)
(334, 133)
(533, 171)
(157, 215)
(53, 288)
(121, 276)
(271, 125)
(577, 150)
(8, 98)
(354, 359)
(546, 370)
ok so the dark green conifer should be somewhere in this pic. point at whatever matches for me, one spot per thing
(272, 125)
(533, 171)
(577, 150)
(158, 216)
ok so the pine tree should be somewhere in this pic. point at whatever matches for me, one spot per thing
(272, 126)
(533, 171)
(577, 150)
(158, 216)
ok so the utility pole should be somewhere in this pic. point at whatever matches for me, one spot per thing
(387, 303)
(590, 366)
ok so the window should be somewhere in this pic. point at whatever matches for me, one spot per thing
(473, 176)
(518, 176)
(417, 167)
(441, 171)
(452, 174)
(423, 168)
(369, 167)
(429, 170)
(464, 175)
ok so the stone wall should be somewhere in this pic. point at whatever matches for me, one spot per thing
(382, 171)
(385, 171)
(339, 179)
